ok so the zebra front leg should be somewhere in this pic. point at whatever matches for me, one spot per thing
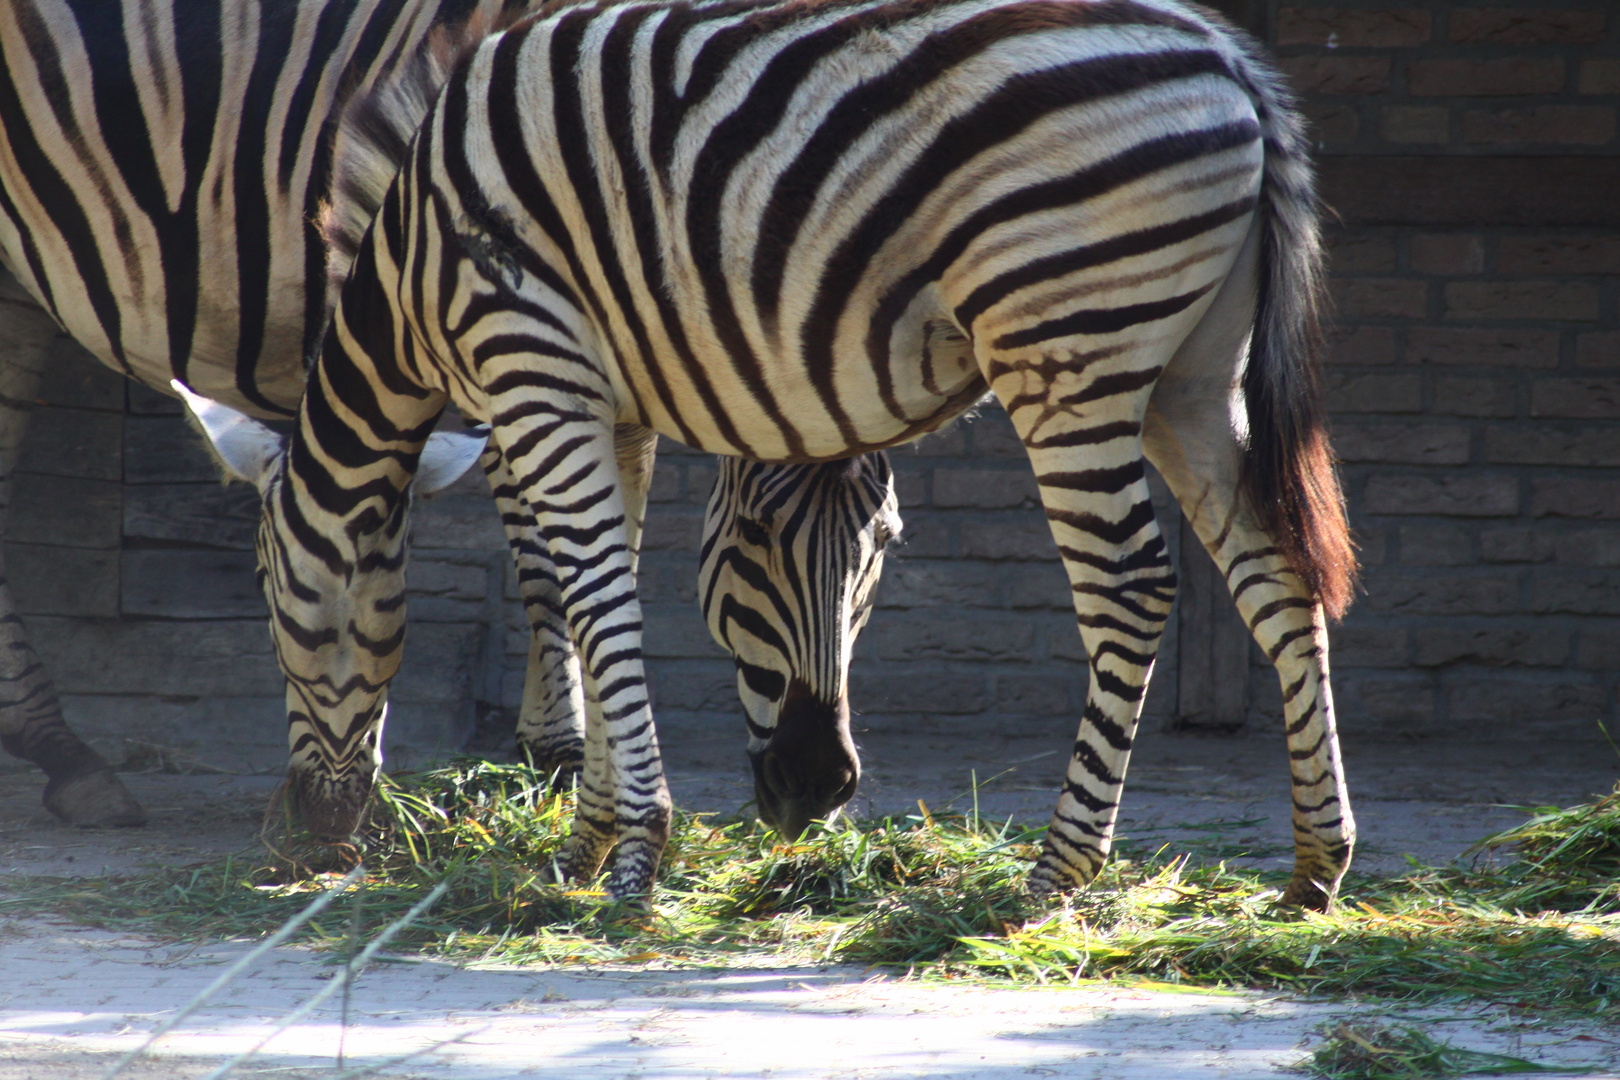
(564, 461)
(551, 720)
(81, 787)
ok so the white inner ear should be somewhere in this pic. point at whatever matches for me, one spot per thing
(446, 456)
(246, 448)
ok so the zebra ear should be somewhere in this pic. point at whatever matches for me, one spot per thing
(246, 448)
(447, 455)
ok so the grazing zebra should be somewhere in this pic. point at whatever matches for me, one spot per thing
(160, 183)
(803, 231)
(790, 562)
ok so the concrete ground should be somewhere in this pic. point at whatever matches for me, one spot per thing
(70, 999)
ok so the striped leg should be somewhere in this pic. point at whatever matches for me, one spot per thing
(564, 462)
(1101, 515)
(82, 788)
(1190, 437)
(551, 722)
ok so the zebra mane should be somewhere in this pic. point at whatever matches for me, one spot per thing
(373, 137)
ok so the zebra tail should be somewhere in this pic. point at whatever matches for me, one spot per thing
(1289, 474)
(374, 132)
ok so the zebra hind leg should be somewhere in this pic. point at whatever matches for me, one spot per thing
(82, 788)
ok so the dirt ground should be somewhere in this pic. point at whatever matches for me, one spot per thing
(70, 999)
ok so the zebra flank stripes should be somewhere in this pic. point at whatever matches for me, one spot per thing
(807, 231)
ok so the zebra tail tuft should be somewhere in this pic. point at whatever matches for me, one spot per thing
(373, 138)
(1289, 473)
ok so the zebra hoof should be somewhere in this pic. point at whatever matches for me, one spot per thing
(563, 763)
(94, 800)
(1305, 891)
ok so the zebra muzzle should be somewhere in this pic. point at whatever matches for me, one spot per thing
(809, 768)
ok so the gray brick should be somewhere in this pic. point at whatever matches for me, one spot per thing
(1380, 298)
(1529, 643)
(911, 489)
(1362, 345)
(928, 535)
(1589, 547)
(1576, 593)
(144, 401)
(49, 580)
(1374, 646)
(203, 514)
(228, 657)
(73, 442)
(1489, 348)
(1547, 444)
(1349, 392)
(1597, 350)
(1525, 700)
(1585, 399)
(1516, 545)
(1408, 701)
(65, 512)
(677, 631)
(993, 435)
(1441, 594)
(462, 517)
(1359, 253)
(1597, 648)
(1461, 495)
(165, 450)
(949, 636)
(437, 664)
(670, 530)
(1575, 497)
(700, 477)
(1475, 397)
(75, 379)
(911, 691)
(447, 589)
(1045, 586)
(1401, 443)
(1436, 545)
(1024, 537)
(1538, 300)
(191, 583)
(666, 483)
(1041, 695)
(932, 583)
(708, 688)
(985, 489)
(949, 441)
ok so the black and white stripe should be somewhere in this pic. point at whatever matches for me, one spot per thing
(791, 558)
(805, 231)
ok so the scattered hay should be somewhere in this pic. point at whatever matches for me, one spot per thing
(937, 894)
(1371, 1052)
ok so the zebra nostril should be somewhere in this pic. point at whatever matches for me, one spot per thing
(778, 780)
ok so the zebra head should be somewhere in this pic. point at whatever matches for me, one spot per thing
(790, 563)
(321, 609)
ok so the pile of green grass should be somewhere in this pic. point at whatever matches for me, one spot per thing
(936, 895)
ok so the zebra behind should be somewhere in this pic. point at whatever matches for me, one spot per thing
(804, 231)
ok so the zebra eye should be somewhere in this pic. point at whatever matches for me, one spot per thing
(753, 532)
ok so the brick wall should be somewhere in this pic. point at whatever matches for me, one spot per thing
(1475, 382)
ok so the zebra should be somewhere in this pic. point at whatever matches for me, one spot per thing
(788, 573)
(801, 231)
(134, 153)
